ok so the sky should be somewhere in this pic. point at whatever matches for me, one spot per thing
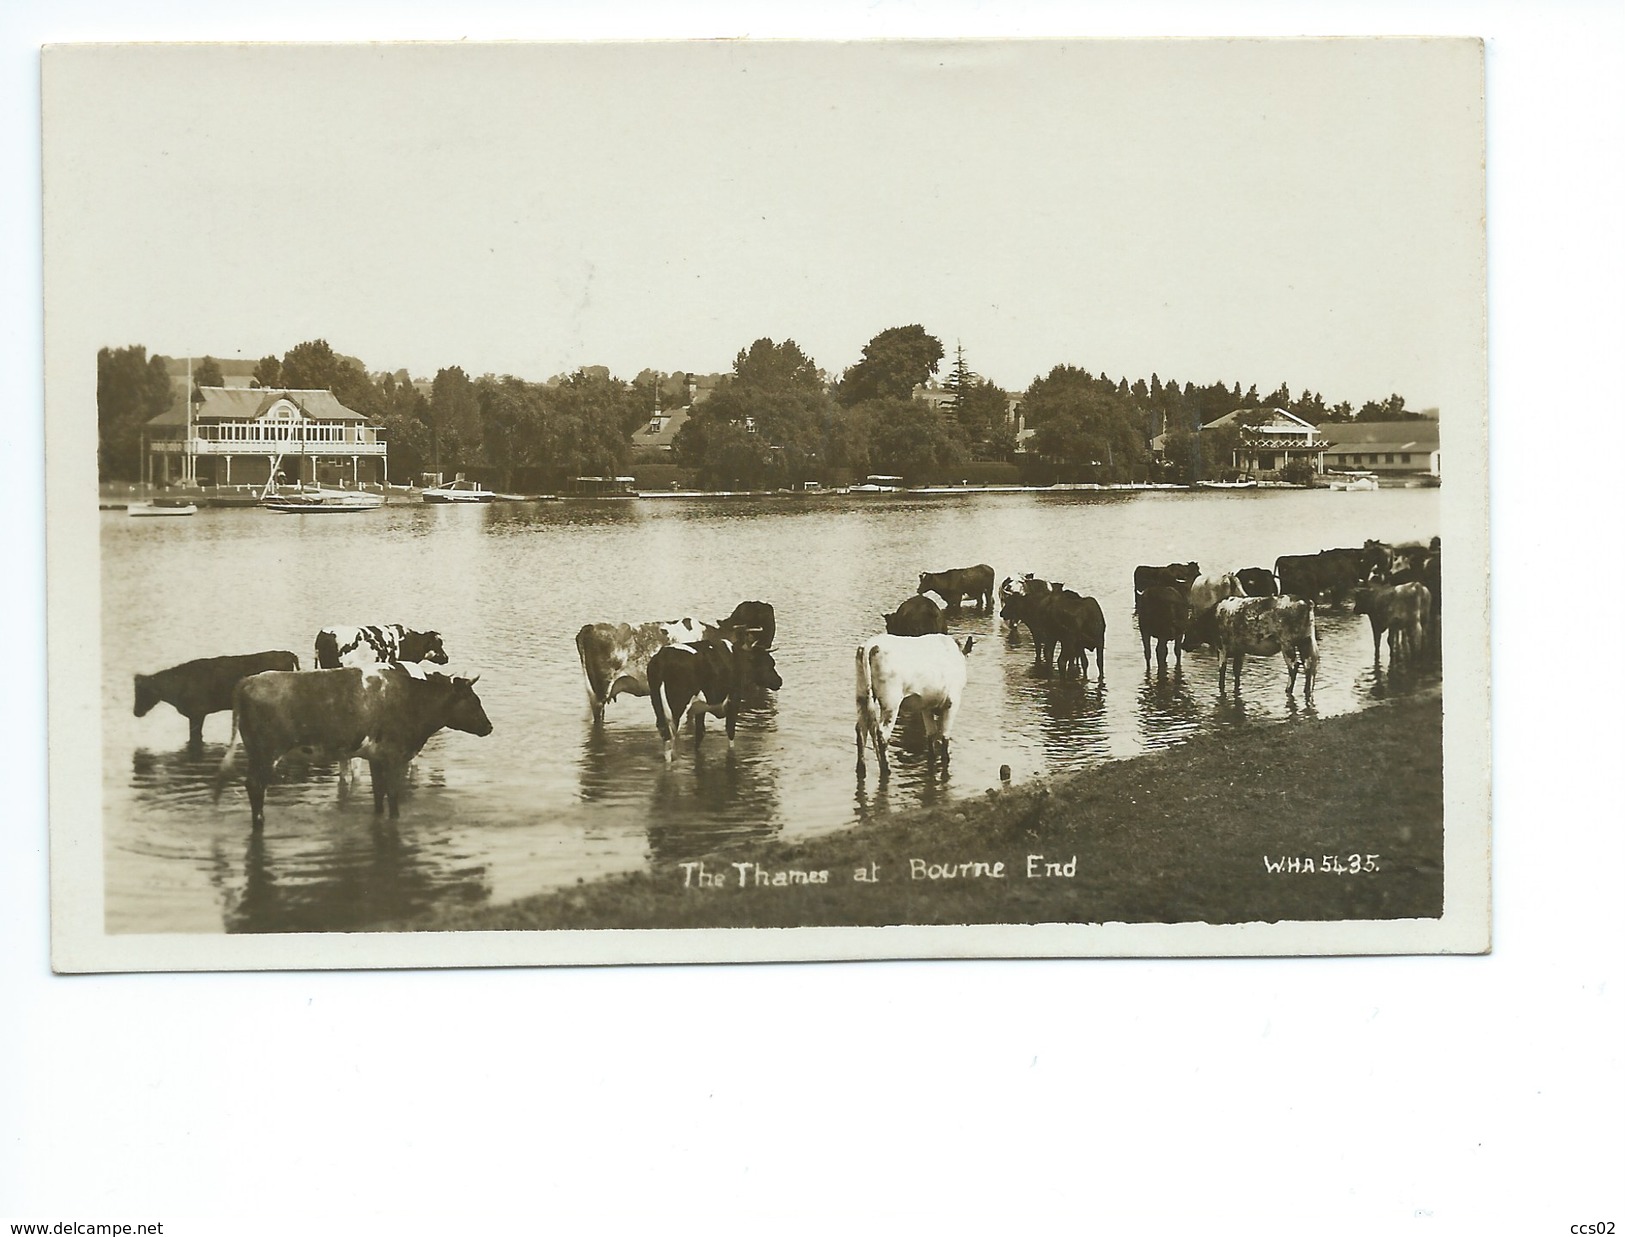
(1307, 212)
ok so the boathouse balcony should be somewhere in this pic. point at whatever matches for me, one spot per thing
(274, 438)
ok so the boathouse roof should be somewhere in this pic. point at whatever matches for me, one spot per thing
(1383, 435)
(250, 403)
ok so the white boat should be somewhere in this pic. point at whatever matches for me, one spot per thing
(1227, 485)
(459, 491)
(163, 506)
(1358, 481)
(314, 500)
(877, 483)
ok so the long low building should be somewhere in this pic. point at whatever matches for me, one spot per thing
(238, 435)
(1388, 448)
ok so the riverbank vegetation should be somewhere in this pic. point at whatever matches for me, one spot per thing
(1308, 820)
(775, 420)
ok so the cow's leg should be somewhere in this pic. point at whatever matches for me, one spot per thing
(945, 728)
(259, 777)
(1290, 656)
(1162, 657)
(379, 790)
(194, 733)
(1235, 672)
(1145, 643)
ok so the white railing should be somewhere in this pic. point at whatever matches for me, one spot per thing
(265, 446)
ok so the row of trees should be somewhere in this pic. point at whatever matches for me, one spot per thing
(776, 419)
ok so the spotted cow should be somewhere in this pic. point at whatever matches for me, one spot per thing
(377, 646)
(711, 676)
(1404, 612)
(1263, 626)
(615, 656)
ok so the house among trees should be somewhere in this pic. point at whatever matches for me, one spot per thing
(234, 436)
(1390, 448)
(1264, 443)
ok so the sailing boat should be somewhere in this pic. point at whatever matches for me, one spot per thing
(312, 499)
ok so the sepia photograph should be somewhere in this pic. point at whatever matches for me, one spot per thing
(740, 501)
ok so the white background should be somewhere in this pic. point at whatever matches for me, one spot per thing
(1453, 1095)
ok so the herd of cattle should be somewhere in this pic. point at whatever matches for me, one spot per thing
(379, 693)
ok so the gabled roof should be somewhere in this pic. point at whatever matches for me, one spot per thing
(248, 403)
(1278, 419)
(672, 420)
(1388, 435)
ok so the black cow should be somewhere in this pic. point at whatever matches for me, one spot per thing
(752, 622)
(384, 714)
(1163, 614)
(1312, 576)
(711, 676)
(1175, 575)
(1057, 617)
(198, 688)
(960, 582)
(1258, 582)
(918, 615)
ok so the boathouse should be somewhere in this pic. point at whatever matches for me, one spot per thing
(221, 436)
(1389, 448)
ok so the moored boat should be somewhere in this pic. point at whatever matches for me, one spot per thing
(315, 500)
(459, 491)
(163, 506)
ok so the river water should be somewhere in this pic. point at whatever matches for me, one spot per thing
(547, 799)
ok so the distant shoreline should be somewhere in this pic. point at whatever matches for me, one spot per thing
(109, 500)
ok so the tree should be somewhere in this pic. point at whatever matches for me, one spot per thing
(894, 362)
(310, 366)
(131, 389)
(984, 420)
(268, 373)
(774, 397)
(403, 414)
(455, 424)
(961, 378)
(910, 439)
(1085, 426)
(206, 373)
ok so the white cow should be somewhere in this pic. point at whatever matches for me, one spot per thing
(892, 669)
(1205, 595)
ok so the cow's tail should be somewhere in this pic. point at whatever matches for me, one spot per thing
(864, 698)
(228, 763)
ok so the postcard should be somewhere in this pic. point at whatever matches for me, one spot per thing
(521, 504)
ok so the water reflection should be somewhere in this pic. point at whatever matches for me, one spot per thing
(295, 883)
(1073, 720)
(1167, 711)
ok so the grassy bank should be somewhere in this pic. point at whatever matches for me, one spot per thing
(1186, 835)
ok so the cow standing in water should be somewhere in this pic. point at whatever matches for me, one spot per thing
(1404, 612)
(1264, 626)
(958, 583)
(199, 688)
(377, 645)
(892, 669)
(383, 714)
(712, 676)
(923, 614)
(615, 656)
(1162, 614)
